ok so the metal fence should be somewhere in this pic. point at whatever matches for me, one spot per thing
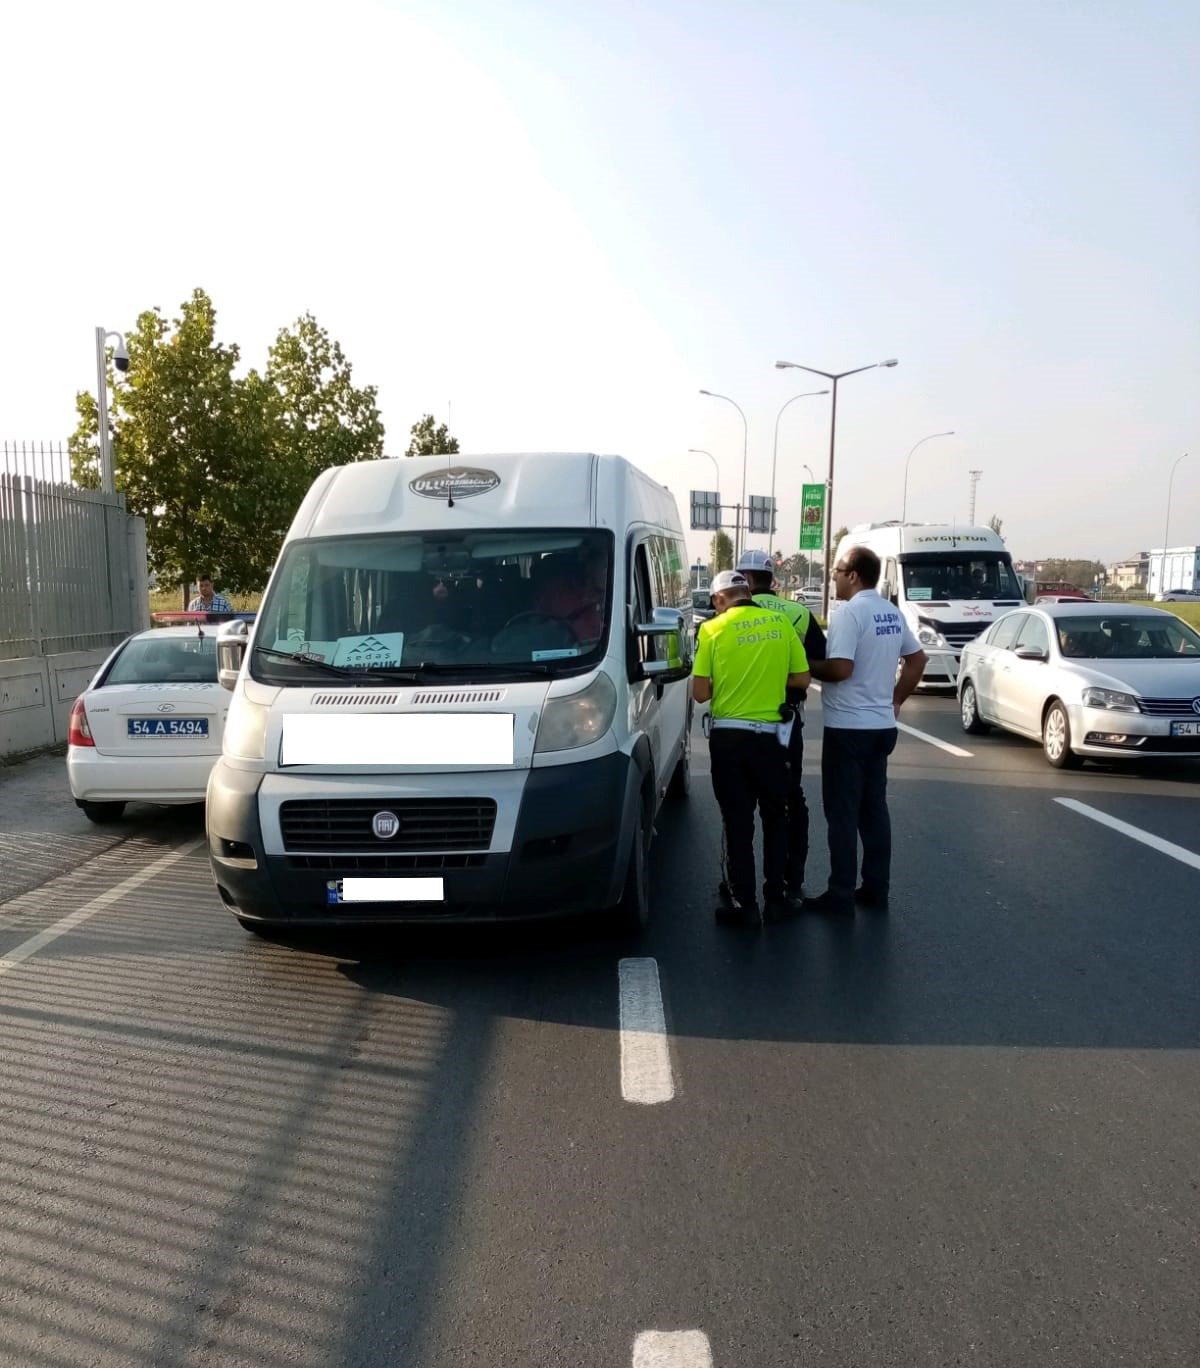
(69, 573)
(47, 461)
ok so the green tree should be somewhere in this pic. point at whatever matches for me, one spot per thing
(429, 439)
(720, 553)
(178, 443)
(995, 523)
(218, 464)
(1064, 570)
(322, 419)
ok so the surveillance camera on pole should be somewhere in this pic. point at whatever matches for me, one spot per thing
(108, 478)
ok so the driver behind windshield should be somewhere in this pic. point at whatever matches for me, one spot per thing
(571, 589)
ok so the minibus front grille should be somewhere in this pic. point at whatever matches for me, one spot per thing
(958, 634)
(311, 825)
(440, 698)
(386, 864)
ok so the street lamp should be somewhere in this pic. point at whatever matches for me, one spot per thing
(829, 375)
(699, 451)
(775, 449)
(737, 544)
(1167, 530)
(108, 475)
(932, 435)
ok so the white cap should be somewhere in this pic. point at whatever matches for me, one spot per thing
(728, 579)
(758, 561)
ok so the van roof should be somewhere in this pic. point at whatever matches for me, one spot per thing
(523, 489)
(915, 537)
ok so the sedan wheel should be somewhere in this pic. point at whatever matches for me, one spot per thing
(1056, 739)
(968, 706)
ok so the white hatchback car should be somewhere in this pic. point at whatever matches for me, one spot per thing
(148, 728)
(1102, 680)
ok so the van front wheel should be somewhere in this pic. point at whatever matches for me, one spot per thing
(633, 911)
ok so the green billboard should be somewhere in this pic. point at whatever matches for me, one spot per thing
(812, 517)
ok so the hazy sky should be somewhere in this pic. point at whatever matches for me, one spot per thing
(563, 221)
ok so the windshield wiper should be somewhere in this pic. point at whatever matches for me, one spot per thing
(296, 658)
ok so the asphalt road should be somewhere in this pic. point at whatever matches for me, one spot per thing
(962, 1133)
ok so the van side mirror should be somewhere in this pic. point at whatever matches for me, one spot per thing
(231, 651)
(671, 657)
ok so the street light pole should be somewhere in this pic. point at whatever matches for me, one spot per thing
(108, 474)
(828, 375)
(775, 448)
(699, 451)
(932, 435)
(1162, 588)
(737, 545)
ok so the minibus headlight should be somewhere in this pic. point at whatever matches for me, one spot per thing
(245, 728)
(578, 719)
(930, 636)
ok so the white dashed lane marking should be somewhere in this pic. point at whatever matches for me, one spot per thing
(27, 949)
(645, 1060)
(1180, 853)
(934, 741)
(672, 1349)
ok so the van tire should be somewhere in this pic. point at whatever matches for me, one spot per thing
(633, 911)
(681, 777)
(101, 813)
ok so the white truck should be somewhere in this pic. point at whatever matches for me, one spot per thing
(951, 583)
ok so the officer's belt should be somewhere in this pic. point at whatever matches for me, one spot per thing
(738, 724)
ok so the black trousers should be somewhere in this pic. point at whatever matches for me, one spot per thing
(854, 789)
(797, 813)
(749, 770)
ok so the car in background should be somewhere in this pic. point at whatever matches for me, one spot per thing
(702, 608)
(1099, 680)
(1063, 598)
(811, 598)
(1178, 596)
(148, 728)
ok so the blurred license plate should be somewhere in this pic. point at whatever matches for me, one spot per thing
(154, 727)
(1185, 728)
(384, 890)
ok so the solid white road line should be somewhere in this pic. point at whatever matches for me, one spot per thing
(645, 1061)
(60, 928)
(933, 741)
(1179, 853)
(672, 1349)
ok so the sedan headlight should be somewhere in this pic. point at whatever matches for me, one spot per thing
(1111, 699)
(578, 719)
(930, 636)
(245, 728)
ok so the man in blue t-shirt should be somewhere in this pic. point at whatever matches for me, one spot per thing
(860, 704)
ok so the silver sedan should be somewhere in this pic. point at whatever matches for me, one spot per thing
(1086, 679)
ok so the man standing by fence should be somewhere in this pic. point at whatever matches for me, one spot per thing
(206, 601)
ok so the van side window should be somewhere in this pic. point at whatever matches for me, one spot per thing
(641, 598)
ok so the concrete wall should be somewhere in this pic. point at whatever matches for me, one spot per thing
(36, 694)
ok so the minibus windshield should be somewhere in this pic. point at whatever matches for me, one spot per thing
(483, 604)
(959, 575)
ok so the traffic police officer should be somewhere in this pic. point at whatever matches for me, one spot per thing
(759, 571)
(747, 657)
